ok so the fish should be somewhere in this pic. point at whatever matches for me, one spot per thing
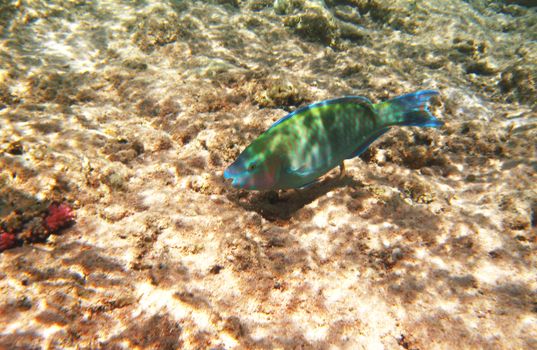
(305, 144)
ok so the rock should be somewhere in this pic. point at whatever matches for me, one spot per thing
(133, 109)
(156, 29)
(135, 64)
(15, 148)
(482, 67)
(519, 82)
(528, 3)
(258, 5)
(281, 93)
(283, 7)
(315, 25)
(351, 32)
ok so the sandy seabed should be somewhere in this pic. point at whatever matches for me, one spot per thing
(130, 110)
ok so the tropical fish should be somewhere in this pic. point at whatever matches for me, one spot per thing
(307, 143)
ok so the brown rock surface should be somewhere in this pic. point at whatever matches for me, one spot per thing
(131, 111)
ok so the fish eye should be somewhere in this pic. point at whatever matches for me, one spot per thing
(251, 167)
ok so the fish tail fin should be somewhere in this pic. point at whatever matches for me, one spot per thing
(409, 110)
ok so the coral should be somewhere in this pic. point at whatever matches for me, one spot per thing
(34, 231)
(7, 240)
(59, 216)
(13, 222)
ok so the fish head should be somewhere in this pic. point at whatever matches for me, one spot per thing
(254, 171)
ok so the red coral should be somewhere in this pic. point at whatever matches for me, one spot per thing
(7, 240)
(59, 216)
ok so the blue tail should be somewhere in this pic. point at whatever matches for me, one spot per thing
(409, 110)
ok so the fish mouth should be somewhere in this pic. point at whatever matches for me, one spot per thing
(227, 174)
(237, 181)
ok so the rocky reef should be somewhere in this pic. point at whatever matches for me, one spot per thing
(128, 112)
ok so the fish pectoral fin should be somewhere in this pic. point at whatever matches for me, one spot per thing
(368, 143)
(303, 171)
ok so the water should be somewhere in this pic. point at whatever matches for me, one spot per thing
(130, 111)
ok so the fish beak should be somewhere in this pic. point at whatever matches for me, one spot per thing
(235, 182)
(228, 175)
(231, 172)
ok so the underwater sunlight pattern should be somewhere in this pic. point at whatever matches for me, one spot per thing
(170, 174)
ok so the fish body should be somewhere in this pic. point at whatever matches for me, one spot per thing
(307, 143)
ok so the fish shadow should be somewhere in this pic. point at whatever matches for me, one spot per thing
(282, 205)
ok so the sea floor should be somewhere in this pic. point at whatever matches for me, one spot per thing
(129, 111)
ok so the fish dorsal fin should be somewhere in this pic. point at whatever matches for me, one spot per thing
(364, 101)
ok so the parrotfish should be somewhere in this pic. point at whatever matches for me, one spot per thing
(307, 143)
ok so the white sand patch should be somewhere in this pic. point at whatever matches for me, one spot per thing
(491, 274)
(154, 300)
